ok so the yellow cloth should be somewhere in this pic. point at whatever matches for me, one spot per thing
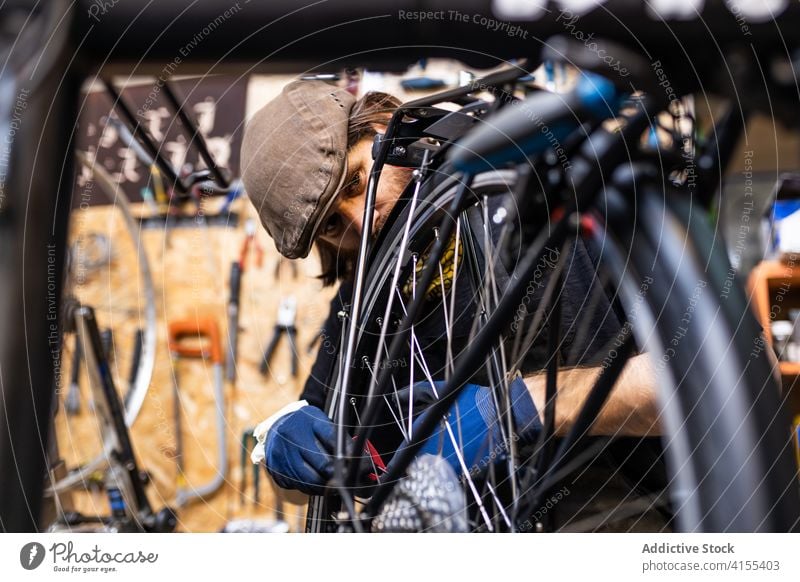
(447, 263)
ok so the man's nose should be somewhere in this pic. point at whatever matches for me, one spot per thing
(353, 213)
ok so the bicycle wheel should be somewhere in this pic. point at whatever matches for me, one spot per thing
(109, 271)
(741, 427)
(391, 284)
(727, 435)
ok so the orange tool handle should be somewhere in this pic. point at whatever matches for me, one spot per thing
(202, 327)
(250, 240)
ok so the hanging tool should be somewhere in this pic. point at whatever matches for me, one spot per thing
(233, 321)
(248, 442)
(251, 243)
(202, 329)
(237, 270)
(176, 411)
(287, 312)
(147, 195)
(158, 187)
(138, 343)
(236, 191)
(107, 339)
(72, 403)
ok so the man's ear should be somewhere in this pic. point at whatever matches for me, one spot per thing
(380, 129)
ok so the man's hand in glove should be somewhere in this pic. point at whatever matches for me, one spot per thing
(297, 445)
(474, 424)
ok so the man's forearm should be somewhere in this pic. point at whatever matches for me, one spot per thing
(630, 410)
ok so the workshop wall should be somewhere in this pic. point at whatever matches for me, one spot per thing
(190, 268)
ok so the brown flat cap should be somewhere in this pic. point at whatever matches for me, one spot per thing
(294, 161)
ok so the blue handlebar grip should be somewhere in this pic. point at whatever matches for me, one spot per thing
(530, 127)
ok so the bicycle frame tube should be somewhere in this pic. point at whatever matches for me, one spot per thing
(39, 119)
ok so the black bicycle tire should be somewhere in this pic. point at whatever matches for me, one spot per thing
(748, 479)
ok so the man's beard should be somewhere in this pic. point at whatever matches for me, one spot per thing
(379, 226)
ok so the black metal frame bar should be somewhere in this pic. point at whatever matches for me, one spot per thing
(33, 233)
(195, 137)
(143, 137)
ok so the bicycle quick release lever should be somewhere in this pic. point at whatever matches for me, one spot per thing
(530, 127)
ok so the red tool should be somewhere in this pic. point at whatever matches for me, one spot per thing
(377, 461)
(237, 270)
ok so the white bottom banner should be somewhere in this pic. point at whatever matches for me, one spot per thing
(406, 557)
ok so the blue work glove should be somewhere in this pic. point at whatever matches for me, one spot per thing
(298, 443)
(475, 424)
(299, 450)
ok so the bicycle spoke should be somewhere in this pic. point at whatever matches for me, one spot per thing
(398, 420)
(355, 453)
(456, 250)
(413, 338)
(497, 356)
(502, 510)
(445, 315)
(417, 353)
(397, 401)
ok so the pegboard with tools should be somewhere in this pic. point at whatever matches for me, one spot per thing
(190, 291)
